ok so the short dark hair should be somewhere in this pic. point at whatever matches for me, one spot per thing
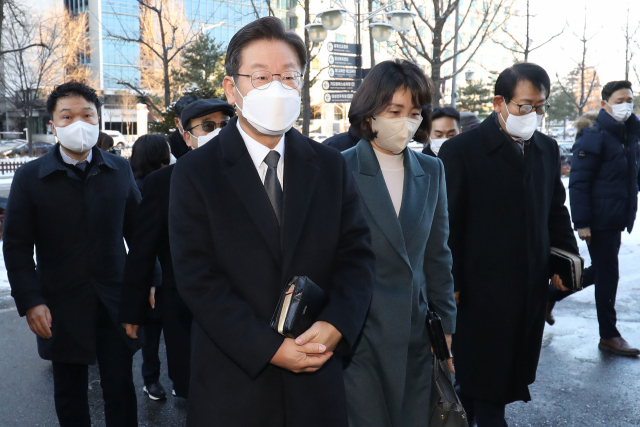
(446, 112)
(377, 90)
(522, 71)
(611, 87)
(178, 107)
(149, 153)
(267, 28)
(105, 141)
(72, 89)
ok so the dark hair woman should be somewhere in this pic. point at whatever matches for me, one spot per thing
(388, 376)
(149, 153)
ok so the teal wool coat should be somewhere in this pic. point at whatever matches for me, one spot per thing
(388, 376)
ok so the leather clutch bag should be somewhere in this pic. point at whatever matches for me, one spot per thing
(568, 266)
(299, 307)
(437, 336)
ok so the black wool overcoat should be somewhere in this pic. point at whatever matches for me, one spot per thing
(77, 228)
(150, 240)
(231, 263)
(505, 212)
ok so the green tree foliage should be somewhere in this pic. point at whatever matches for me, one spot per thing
(477, 97)
(562, 108)
(202, 74)
(203, 66)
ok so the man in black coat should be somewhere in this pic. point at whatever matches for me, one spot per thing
(506, 209)
(343, 141)
(176, 140)
(151, 239)
(241, 222)
(75, 204)
(604, 200)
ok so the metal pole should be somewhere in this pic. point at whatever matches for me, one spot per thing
(455, 58)
(358, 46)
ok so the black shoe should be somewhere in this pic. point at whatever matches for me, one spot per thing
(155, 391)
(549, 318)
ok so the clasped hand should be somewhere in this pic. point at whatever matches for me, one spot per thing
(309, 351)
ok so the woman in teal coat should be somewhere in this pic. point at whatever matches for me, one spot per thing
(388, 376)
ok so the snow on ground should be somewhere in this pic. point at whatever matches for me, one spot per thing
(629, 265)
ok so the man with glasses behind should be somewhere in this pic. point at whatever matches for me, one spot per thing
(506, 209)
(257, 205)
(202, 119)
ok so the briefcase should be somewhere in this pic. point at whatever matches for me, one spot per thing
(300, 304)
(568, 266)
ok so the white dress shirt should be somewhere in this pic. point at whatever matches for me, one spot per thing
(258, 152)
(70, 161)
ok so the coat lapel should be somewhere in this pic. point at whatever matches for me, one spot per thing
(414, 196)
(377, 199)
(244, 179)
(299, 182)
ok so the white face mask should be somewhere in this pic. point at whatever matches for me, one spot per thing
(436, 144)
(78, 137)
(521, 126)
(394, 134)
(621, 112)
(206, 138)
(272, 111)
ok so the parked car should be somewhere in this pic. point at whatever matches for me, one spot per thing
(119, 140)
(22, 150)
(566, 156)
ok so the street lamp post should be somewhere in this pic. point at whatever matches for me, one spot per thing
(332, 18)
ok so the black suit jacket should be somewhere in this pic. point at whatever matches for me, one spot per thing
(506, 210)
(231, 263)
(150, 240)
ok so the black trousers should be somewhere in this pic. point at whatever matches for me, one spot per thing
(177, 320)
(151, 333)
(604, 273)
(71, 381)
(485, 414)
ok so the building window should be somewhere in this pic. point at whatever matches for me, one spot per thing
(293, 22)
(315, 64)
(338, 114)
(340, 38)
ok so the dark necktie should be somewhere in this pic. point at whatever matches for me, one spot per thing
(272, 185)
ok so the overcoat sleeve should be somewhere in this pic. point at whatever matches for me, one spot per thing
(19, 239)
(456, 179)
(140, 266)
(438, 262)
(584, 167)
(560, 230)
(225, 317)
(354, 269)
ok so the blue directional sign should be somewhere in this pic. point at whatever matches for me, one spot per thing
(335, 97)
(342, 48)
(342, 73)
(349, 61)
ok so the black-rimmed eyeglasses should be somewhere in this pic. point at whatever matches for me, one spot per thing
(527, 108)
(262, 79)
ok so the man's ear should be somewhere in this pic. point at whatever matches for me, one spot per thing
(498, 103)
(53, 128)
(230, 93)
(187, 138)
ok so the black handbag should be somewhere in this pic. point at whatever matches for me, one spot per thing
(301, 302)
(446, 409)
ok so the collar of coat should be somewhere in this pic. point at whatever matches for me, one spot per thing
(51, 162)
(616, 128)
(494, 137)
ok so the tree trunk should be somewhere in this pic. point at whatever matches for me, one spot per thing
(528, 41)
(306, 95)
(436, 65)
(167, 84)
